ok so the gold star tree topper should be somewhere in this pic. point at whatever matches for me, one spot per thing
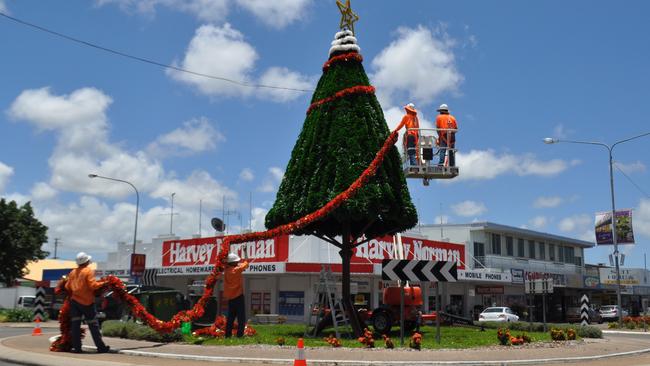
(348, 17)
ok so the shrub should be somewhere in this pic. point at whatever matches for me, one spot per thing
(20, 315)
(557, 334)
(503, 335)
(630, 325)
(612, 325)
(280, 341)
(571, 334)
(130, 330)
(589, 332)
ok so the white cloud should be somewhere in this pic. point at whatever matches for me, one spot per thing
(259, 215)
(281, 76)
(3, 7)
(630, 168)
(277, 13)
(419, 66)
(486, 164)
(20, 199)
(205, 10)
(196, 135)
(246, 175)
(271, 182)
(547, 202)
(538, 222)
(5, 173)
(42, 191)
(80, 125)
(469, 208)
(576, 223)
(220, 51)
(223, 51)
(641, 218)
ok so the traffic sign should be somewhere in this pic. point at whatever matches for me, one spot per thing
(39, 304)
(419, 271)
(584, 310)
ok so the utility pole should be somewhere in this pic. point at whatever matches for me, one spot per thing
(56, 247)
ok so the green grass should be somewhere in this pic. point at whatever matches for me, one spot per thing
(450, 337)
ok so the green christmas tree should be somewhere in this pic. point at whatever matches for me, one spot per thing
(343, 130)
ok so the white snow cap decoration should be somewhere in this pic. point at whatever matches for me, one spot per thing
(344, 41)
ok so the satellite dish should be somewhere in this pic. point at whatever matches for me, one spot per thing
(218, 224)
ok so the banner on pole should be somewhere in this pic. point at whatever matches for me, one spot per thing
(624, 232)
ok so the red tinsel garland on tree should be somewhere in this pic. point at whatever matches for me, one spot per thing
(140, 312)
(359, 89)
(344, 57)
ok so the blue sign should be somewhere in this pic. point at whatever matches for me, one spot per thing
(55, 274)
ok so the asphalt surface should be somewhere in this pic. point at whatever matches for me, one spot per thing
(36, 348)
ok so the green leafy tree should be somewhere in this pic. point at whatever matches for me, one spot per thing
(339, 139)
(21, 239)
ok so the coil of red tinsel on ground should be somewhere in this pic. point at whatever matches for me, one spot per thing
(141, 313)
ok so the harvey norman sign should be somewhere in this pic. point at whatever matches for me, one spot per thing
(204, 251)
(253, 268)
(376, 250)
(484, 276)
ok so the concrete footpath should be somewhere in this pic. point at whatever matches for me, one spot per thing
(30, 350)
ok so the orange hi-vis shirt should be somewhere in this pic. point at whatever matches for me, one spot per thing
(233, 281)
(410, 120)
(446, 121)
(81, 282)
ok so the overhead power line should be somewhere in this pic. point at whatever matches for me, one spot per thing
(145, 60)
(631, 181)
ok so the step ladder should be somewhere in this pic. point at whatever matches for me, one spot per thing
(325, 303)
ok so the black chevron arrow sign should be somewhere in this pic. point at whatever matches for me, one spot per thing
(418, 271)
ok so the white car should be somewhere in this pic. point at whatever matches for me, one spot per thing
(498, 314)
(610, 312)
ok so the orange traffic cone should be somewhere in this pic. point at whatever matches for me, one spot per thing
(37, 329)
(300, 356)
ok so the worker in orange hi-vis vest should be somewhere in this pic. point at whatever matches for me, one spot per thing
(446, 139)
(412, 135)
(233, 291)
(82, 285)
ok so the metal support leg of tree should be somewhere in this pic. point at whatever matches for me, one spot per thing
(346, 256)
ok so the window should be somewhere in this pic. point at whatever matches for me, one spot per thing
(569, 255)
(510, 250)
(520, 248)
(531, 249)
(496, 244)
(561, 253)
(542, 251)
(551, 252)
(479, 254)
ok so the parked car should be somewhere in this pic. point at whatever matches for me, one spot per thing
(25, 302)
(610, 312)
(498, 314)
(575, 316)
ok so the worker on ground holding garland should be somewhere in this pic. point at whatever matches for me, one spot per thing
(446, 138)
(81, 284)
(412, 135)
(233, 292)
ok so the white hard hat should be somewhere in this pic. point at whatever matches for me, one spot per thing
(410, 107)
(82, 258)
(233, 258)
(443, 107)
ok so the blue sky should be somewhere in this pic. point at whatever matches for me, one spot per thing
(512, 73)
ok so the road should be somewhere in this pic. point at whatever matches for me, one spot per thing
(10, 332)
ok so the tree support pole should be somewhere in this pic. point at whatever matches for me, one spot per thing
(346, 256)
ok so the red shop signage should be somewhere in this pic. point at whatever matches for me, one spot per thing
(489, 290)
(204, 251)
(382, 248)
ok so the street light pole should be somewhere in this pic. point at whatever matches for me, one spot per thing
(137, 202)
(609, 148)
(171, 217)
